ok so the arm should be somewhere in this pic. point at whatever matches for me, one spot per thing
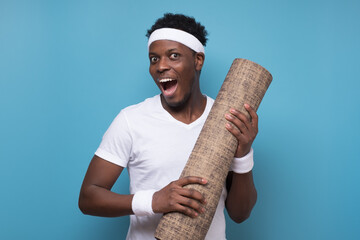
(96, 197)
(241, 190)
(241, 196)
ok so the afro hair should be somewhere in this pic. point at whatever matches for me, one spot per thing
(181, 22)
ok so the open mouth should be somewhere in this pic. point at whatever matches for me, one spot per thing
(168, 86)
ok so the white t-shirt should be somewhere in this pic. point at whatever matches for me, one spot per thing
(154, 147)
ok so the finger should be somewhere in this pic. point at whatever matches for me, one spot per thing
(187, 211)
(191, 180)
(192, 204)
(235, 131)
(245, 119)
(240, 121)
(192, 193)
(254, 116)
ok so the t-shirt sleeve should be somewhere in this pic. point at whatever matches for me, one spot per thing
(116, 143)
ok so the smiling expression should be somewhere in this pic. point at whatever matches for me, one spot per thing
(175, 69)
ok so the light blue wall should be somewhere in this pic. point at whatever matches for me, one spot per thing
(68, 67)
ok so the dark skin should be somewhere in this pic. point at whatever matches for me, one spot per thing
(172, 60)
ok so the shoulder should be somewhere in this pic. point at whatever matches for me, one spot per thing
(138, 113)
(140, 109)
(210, 100)
(149, 103)
(133, 113)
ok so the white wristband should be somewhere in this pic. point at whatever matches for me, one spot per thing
(243, 164)
(142, 203)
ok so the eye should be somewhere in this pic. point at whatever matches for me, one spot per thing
(153, 59)
(174, 56)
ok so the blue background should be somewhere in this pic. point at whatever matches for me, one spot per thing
(68, 67)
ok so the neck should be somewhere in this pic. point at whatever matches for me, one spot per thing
(190, 110)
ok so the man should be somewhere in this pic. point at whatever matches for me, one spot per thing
(154, 139)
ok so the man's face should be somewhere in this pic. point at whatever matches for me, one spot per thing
(175, 70)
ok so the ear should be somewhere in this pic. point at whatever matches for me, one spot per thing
(199, 60)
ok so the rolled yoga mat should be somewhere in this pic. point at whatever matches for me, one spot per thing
(214, 150)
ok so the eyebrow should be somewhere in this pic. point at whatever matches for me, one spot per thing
(173, 49)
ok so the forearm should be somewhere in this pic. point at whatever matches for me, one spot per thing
(98, 201)
(241, 196)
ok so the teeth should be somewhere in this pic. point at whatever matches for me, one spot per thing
(166, 80)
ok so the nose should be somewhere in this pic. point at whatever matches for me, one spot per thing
(163, 65)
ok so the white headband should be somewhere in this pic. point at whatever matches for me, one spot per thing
(176, 35)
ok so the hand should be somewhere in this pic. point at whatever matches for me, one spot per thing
(175, 198)
(243, 129)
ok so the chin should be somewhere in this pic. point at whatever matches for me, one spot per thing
(176, 103)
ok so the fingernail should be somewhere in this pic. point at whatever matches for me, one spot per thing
(204, 180)
(228, 116)
(232, 110)
(228, 125)
(246, 105)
